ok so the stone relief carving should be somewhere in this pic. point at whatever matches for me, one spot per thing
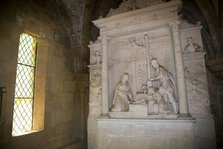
(95, 102)
(198, 97)
(153, 85)
(192, 47)
(135, 46)
(161, 90)
(130, 5)
(135, 42)
(95, 95)
(96, 79)
(164, 81)
(122, 96)
(96, 58)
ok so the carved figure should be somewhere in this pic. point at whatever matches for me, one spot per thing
(123, 95)
(192, 47)
(96, 58)
(160, 102)
(157, 104)
(165, 82)
(95, 102)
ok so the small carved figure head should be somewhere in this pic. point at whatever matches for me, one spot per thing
(190, 40)
(96, 53)
(125, 77)
(154, 62)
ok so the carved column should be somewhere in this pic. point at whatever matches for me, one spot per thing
(182, 94)
(147, 57)
(105, 105)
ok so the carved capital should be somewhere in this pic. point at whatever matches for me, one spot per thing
(175, 27)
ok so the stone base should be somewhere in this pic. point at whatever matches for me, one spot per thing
(145, 134)
(142, 115)
(128, 114)
(138, 108)
(140, 111)
(204, 132)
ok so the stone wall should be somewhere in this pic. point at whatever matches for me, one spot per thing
(216, 97)
(65, 94)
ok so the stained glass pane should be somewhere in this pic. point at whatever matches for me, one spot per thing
(24, 87)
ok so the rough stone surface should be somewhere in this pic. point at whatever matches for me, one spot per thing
(65, 106)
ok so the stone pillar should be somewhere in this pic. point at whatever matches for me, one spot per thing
(105, 104)
(147, 56)
(182, 94)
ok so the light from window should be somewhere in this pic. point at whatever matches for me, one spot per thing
(24, 87)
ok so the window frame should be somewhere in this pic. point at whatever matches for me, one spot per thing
(39, 88)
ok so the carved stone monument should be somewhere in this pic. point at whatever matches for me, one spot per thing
(145, 91)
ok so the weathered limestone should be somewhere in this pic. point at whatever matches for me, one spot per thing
(197, 85)
(59, 117)
(144, 134)
(183, 105)
(148, 45)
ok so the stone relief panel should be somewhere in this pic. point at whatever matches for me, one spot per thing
(136, 20)
(191, 46)
(96, 58)
(194, 69)
(129, 5)
(95, 52)
(196, 81)
(191, 38)
(129, 54)
(95, 93)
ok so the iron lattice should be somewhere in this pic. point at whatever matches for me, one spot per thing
(24, 88)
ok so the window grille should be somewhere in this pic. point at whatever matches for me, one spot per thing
(24, 87)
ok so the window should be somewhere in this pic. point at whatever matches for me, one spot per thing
(25, 85)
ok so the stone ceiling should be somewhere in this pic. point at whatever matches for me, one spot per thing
(75, 11)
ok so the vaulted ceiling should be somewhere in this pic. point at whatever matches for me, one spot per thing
(74, 18)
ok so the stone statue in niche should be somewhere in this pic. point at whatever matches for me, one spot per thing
(123, 95)
(192, 47)
(96, 58)
(163, 80)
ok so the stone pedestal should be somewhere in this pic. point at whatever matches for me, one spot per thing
(145, 134)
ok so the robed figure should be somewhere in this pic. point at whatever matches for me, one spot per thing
(122, 95)
(165, 82)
